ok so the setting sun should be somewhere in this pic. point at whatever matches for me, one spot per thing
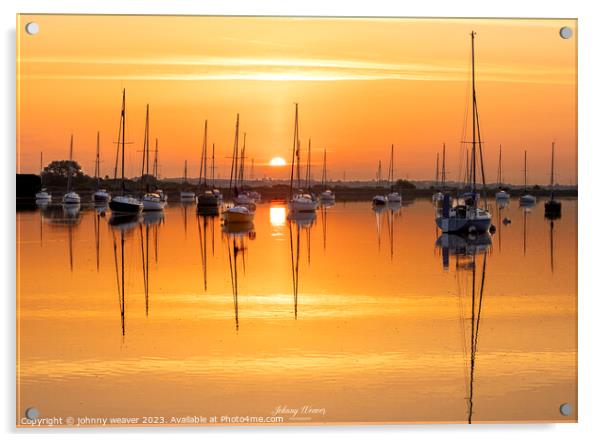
(277, 161)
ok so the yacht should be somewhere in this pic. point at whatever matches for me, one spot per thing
(71, 197)
(501, 194)
(124, 204)
(392, 197)
(327, 195)
(552, 207)
(526, 199)
(465, 215)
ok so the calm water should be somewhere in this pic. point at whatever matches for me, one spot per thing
(354, 316)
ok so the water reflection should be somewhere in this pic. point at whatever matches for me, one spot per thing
(357, 318)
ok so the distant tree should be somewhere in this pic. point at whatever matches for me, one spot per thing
(537, 187)
(57, 173)
(60, 169)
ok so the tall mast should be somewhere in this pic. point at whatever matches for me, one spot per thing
(308, 169)
(41, 162)
(123, 143)
(213, 165)
(474, 117)
(295, 138)
(241, 173)
(437, 171)
(234, 166)
(525, 171)
(443, 169)
(146, 152)
(390, 176)
(499, 169)
(205, 156)
(379, 173)
(70, 165)
(97, 166)
(185, 172)
(324, 170)
(552, 173)
(252, 174)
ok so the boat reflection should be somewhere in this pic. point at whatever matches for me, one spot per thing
(462, 247)
(236, 237)
(378, 211)
(125, 222)
(203, 240)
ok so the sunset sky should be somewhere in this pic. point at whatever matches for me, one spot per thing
(361, 85)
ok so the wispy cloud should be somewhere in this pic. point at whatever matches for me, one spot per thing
(281, 69)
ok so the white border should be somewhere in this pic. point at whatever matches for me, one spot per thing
(590, 164)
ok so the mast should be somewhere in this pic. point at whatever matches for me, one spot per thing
(390, 176)
(97, 165)
(234, 165)
(241, 173)
(69, 178)
(146, 153)
(552, 173)
(41, 168)
(474, 117)
(122, 129)
(308, 169)
(185, 172)
(525, 172)
(213, 165)
(443, 169)
(324, 171)
(156, 163)
(204, 162)
(499, 169)
(437, 172)
(379, 173)
(295, 139)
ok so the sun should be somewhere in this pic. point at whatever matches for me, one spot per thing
(277, 161)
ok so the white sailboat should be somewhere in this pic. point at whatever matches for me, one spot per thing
(71, 197)
(526, 199)
(327, 195)
(501, 195)
(152, 200)
(465, 214)
(379, 200)
(207, 200)
(186, 196)
(392, 197)
(100, 195)
(123, 204)
(43, 197)
(237, 213)
(299, 201)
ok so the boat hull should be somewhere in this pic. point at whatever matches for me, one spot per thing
(43, 197)
(527, 200)
(124, 205)
(303, 206)
(552, 209)
(460, 225)
(207, 200)
(394, 197)
(71, 198)
(101, 197)
(232, 216)
(379, 201)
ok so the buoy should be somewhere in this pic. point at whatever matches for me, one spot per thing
(492, 229)
(507, 221)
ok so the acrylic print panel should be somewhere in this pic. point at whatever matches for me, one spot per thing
(255, 220)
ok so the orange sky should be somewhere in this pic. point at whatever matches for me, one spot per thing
(361, 85)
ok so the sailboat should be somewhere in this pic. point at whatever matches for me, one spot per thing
(71, 197)
(465, 214)
(392, 197)
(43, 196)
(242, 197)
(379, 200)
(501, 195)
(299, 201)
(186, 196)
(552, 207)
(207, 200)
(100, 195)
(152, 200)
(238, 213)
(327, 195)
(124, 204)
(526, 199)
